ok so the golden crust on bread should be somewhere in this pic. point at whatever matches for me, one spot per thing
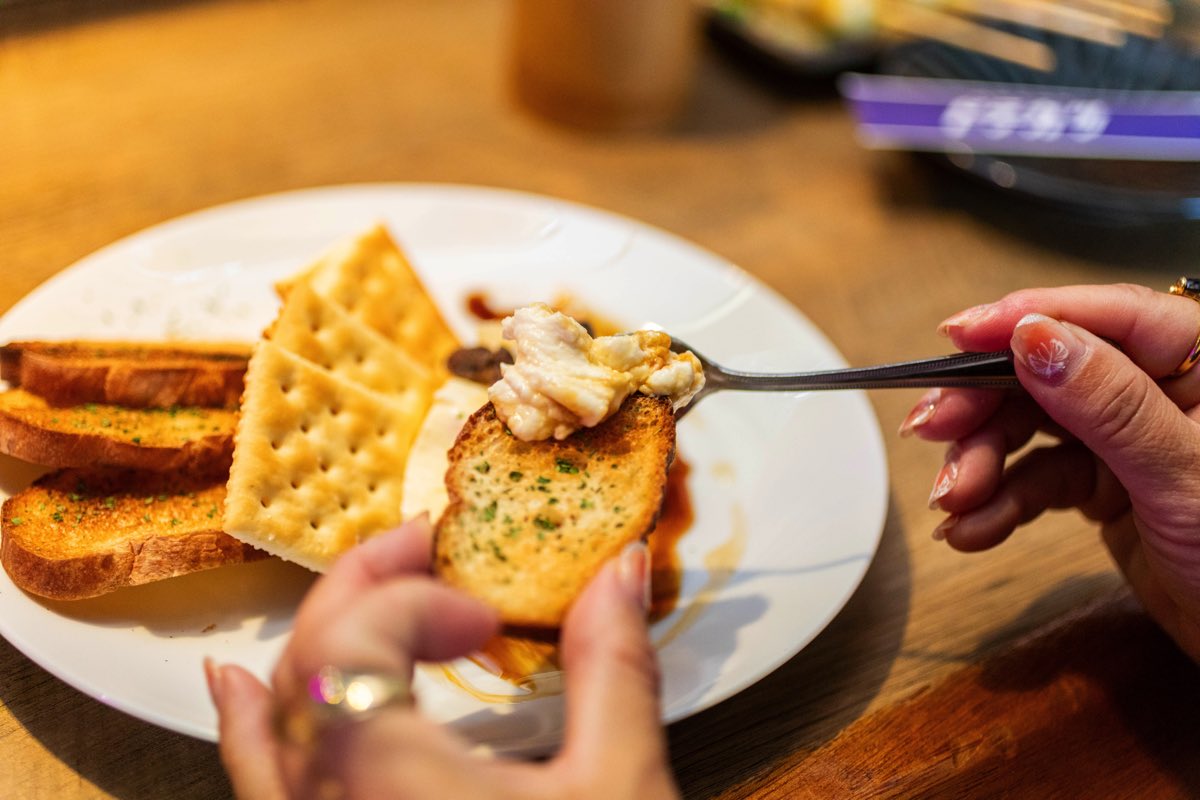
(134, 374)
(75, 534)
(193, 440)
(530, 523)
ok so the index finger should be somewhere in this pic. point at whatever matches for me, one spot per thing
(403, 551)
(1156, 330)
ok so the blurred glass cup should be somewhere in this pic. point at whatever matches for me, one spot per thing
(605, 64)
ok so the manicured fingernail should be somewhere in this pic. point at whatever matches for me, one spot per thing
(962, 319)
(921, 413)
(1045, 346)
(633, 569)
(946, 478)
(939, 533)
(212, 674)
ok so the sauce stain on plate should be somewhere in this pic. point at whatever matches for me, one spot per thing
(720, 562)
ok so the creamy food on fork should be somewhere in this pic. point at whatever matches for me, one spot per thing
(563, 379)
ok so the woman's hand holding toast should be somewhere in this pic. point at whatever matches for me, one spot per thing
(379, 611)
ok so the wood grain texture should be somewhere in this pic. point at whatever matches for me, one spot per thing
(122, 115)
(1064, 713)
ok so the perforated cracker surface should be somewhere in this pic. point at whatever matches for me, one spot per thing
(372, 279)
(319, 460)
(320, 330)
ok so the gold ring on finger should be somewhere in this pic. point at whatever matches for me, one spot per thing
(1188, 287)
(334, 696)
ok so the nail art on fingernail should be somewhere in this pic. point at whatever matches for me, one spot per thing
(1044, 346)
(924, 410)
(947, 477)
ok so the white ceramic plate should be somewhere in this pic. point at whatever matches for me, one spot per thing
(789, 490)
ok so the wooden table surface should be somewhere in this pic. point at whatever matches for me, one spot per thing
(115, 116)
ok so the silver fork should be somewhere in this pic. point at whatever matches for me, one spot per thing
(992, 370)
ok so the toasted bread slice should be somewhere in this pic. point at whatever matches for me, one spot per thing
(81, 533)
(530, 523)
(139, 375)
(194, 440)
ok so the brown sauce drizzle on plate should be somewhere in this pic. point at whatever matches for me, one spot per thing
(479, 307)
(666, 568)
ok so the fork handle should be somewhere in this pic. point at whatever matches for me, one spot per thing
(982, 370)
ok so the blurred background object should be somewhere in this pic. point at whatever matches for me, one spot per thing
(827, 35)
(806, 37)
(1140, 166)
(1026, 73)
(604, 64)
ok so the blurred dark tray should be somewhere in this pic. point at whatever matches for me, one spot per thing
(1109, 191)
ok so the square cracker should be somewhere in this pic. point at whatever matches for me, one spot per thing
(318, 461)
(370, 277)
(323, 332)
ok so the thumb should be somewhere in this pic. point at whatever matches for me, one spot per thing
(1097, 394)
(1115, 409)
(614, 736)
(247, 745)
